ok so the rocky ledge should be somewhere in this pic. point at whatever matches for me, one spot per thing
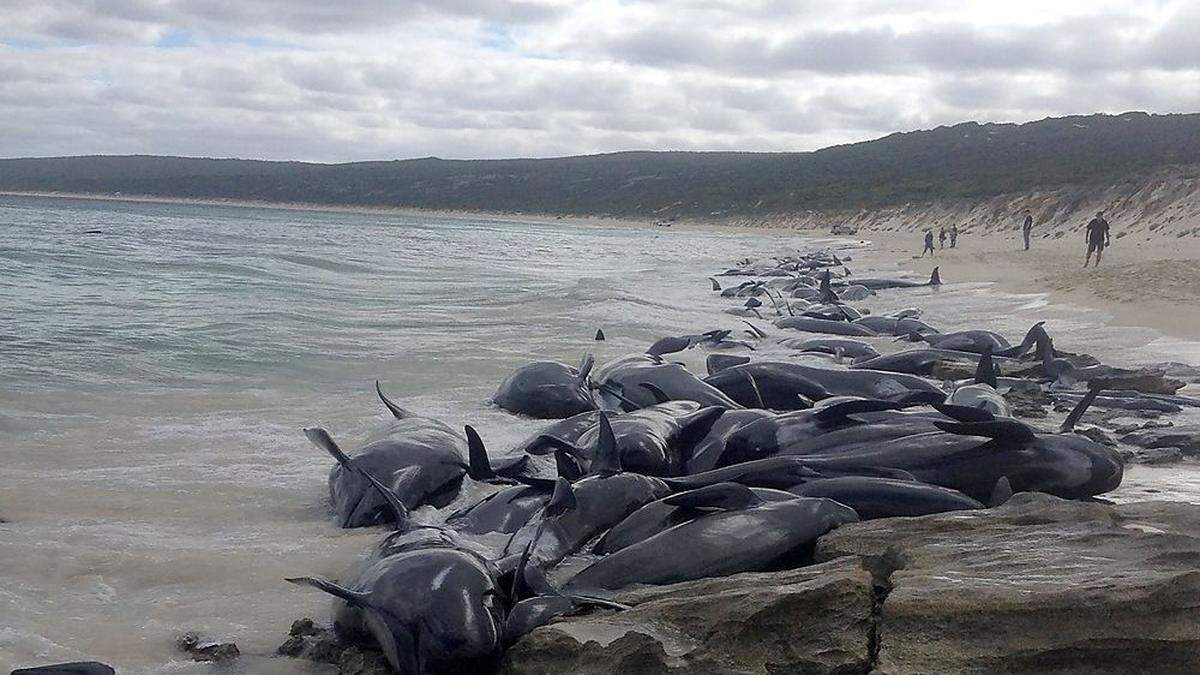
(1038, 585)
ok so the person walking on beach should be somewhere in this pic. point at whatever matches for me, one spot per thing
(1097, 238)
(928, 243)
(942, 237)
(953, 236)
(1027, 228)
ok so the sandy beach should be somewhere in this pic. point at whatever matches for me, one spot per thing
(1154, 282)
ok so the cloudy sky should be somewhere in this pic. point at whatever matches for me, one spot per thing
(326, 80)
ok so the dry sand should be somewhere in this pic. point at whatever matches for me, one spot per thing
(1153, 282)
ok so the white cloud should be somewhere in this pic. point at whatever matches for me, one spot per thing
(310, 79)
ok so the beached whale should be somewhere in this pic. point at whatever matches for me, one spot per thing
(892, 325)
(659, 516)
(736, 532)
(602, 499)
(975, 341)
(548, 390)
(827, 326)
(875, 283)
(429, 611)
(655, 441)
(852, 349)
(619, 382)
(917, 361)
(873, 497)
(818, 383)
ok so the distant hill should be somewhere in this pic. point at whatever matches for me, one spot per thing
(965, 160)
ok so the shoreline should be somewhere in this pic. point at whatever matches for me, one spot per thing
(1143, 285)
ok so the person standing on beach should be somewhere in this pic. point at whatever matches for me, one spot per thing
(1027, 228)
(928, 243)
(953, 236)
(1097, 238)
(942, 237)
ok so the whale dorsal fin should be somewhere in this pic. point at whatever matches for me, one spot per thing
(479, 467)
(599, 335)
(563, 499)
(935, 279)
(720, 496)
(567, 466)
(985, 372)
(606, 460)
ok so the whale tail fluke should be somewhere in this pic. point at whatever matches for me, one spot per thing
(585, 370)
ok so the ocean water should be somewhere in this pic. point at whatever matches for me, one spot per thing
(155, 375)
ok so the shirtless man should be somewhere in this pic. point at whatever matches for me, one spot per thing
(1097, 238)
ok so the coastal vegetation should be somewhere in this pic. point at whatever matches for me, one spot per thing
(967, 160)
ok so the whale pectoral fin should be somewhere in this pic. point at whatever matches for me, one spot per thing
(323, 440)
(1005, 430)
(963, 413)
(479, 467)
(404, 658)
(355, 598)
(720, 496)
(1001, 493)
(511, 466)
(397, 411)
(392, 499)
(985, 372)
(545, 443)
(659, 395)
(585, 369)
(1080, 408)
(838, 411)
(758, 399)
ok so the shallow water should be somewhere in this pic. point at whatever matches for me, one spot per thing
(156, 377)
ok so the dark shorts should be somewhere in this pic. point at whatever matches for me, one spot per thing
(1096, 246)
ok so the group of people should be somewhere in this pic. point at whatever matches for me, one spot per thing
(953, 234)
(1096, 235)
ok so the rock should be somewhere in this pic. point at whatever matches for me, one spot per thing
(1159, 456)
(1096, 434)
(1038, 585)
(1145, 380)
(1028, 403)
(218, 652)
(1187, 439)
(812, 620)
(355, 661)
